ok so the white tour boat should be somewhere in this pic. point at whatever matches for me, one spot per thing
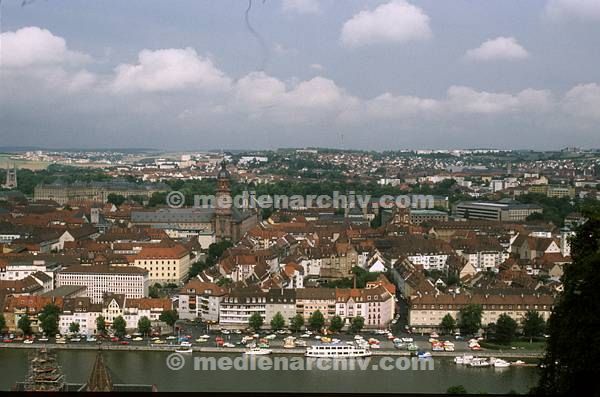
(183, 350)
(499, 363)
(337, 351)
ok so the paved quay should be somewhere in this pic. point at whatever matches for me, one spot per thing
(295, 351)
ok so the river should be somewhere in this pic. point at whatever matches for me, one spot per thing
(148, 367)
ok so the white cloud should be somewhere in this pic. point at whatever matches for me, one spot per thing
(498, 49)
(263, 96)
(302, 6)
(395, 22)
(169, 70)
(467, 100)
(583, 101)
(33, 46)
(389, 106)
(568, 9)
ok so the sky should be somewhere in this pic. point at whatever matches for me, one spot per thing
(350, 74)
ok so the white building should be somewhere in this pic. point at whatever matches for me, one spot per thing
(131, 281)
(199, 299)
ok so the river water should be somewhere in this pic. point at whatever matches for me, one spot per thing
(149, 367)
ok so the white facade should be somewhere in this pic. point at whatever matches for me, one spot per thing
(115, 281)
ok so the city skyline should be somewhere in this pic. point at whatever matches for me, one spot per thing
(353, 75)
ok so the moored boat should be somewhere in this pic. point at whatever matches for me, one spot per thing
(337, 351)
(257, 351)
(479, 362)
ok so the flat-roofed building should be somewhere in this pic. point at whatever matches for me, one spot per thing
(131, 281)
(497, 211)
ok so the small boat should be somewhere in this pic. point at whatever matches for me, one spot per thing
(499, 363)
(424, 355)
(183, 350)
(518, 363)
(257, 351)
(412, 347)
(464, 359)
(479, 362)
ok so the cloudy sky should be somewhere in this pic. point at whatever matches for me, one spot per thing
(392, 74)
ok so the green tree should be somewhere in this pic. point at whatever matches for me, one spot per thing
(570, 365)
(316, 321)
(144, 325)
(255, 321)
(448, 324)
(277, 322)
(296, 323)
(506, 329)
(533, 324)
(357, 324)
(24, 324)
(169, 317)
(2, 323)
(470, 319)
(336, 324)
(458, 389)
(74, 328)
(119, 327)
(115, 199)
(101, 325)
(48, 319)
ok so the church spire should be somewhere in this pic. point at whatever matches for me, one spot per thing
(100, 379)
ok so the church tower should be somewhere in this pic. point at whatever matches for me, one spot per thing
(224, 206)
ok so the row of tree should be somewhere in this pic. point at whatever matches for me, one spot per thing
(49, 316)
(503, 331)
(316, 322)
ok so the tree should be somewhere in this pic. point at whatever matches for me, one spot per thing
(74, 328)
(458, 389)
(144, 325)
(255, 321)
(570, 365)
(48, 319)
(119, 326)
(506, 329)
(316, 321)
(24, 324)
(277, 322)
(470, 319)
(2, 322)
(336, 324)
(101, 325)
(448, 324)
(169, 317)
(296, 323)
(115, 199)
(357, 324)
(533, 324)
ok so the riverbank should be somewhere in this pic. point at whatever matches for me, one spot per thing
(150, 367)
(294, 351)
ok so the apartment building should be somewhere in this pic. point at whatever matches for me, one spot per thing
(164, 264)
(427, 311)
(198, 299)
